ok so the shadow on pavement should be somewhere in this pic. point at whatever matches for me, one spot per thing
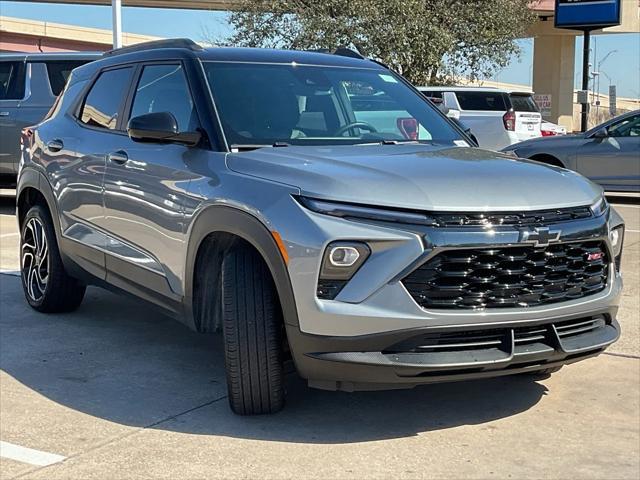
(118, 360)
(7, 205)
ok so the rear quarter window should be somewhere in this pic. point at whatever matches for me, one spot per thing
(487, 101)
(12, 80)
(58, 72)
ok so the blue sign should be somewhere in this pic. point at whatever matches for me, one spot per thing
(587, 14)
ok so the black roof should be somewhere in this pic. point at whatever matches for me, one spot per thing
(265, 55)
(183, 49)
(43, 56)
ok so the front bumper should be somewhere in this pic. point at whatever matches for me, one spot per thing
(428, 355)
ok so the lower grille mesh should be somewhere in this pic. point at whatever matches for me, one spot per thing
(521, 276)
(498, 338)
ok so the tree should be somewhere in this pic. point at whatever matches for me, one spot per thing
(427, 41)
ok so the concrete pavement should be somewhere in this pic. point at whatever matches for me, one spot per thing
(121, 391)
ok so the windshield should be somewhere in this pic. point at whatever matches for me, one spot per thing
(267, 104)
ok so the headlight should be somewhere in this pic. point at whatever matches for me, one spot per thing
(348, 210)
(600, 207)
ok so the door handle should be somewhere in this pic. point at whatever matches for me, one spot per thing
(120, 157)
(4, 114)
(55, 145)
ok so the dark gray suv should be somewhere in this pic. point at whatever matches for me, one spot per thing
(317, 209)
(29, 85)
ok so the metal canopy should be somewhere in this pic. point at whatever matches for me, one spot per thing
(188, 4)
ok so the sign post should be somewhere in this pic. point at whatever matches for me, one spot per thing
(613, 100)
(586, 15)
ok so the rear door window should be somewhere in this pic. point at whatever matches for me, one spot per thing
(488, 101)
(59, 71)
(524, 103)
(12, 80)
(102, 105)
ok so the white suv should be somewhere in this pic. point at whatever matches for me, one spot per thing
(498, 118)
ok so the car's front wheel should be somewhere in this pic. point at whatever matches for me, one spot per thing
(252, 329)
(47, 286)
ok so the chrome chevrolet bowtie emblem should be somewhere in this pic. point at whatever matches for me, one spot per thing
(540, 236)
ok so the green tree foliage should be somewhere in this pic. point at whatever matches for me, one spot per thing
(428, 41)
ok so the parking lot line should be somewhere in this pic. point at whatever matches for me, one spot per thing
(28, 455)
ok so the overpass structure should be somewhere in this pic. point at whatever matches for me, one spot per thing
(554, 49)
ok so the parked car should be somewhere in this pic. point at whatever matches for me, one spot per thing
(548, 129)
(29, 85)
(236, 189)
(497, 118)
(608, 154)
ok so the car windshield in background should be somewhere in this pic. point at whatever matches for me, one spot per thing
(267, 104)
(524, 103)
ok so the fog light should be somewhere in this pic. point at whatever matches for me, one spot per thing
(343, 256)
(340, 262)
(615, 237)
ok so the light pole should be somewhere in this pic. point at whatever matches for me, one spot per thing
(116, 16)
(611, 52)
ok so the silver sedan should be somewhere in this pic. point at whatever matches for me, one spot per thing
(608, 154)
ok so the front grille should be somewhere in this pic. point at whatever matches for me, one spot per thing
(539, 217)
(520, 276)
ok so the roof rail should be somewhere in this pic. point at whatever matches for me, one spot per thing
(341, 51)
(168, 43)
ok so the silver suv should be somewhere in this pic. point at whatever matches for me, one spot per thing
(317, 209)
(29, 85)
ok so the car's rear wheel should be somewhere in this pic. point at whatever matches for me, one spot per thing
(252, 329)
(46, 285)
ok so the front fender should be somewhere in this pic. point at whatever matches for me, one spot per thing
(217, 218)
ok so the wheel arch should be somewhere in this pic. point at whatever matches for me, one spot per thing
(33, 188)
(548, 159)
(224, 220)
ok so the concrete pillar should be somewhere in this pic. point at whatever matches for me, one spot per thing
(553, 73)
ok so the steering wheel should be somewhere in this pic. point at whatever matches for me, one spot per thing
(349, 126)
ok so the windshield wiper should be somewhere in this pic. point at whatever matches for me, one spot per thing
(245, 147)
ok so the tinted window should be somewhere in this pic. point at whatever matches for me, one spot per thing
(163, 88)
(59, 72)
(432, 94)
(524, 103)
(629, 127)
(11, 80)
(490, 101)
(103, 102)
(261, 104)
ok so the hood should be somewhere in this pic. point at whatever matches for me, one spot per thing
(421, 177)
(551, 141)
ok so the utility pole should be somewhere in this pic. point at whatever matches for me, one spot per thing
(584, 114)
(116, 15)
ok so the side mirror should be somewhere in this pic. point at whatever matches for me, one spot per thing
(453, 113)
(601, 134)
(160, 127)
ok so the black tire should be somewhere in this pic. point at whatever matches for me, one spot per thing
(545, 373)
(45, 283)
(252, 330)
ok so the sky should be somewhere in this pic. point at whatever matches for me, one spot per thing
(622, 66)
